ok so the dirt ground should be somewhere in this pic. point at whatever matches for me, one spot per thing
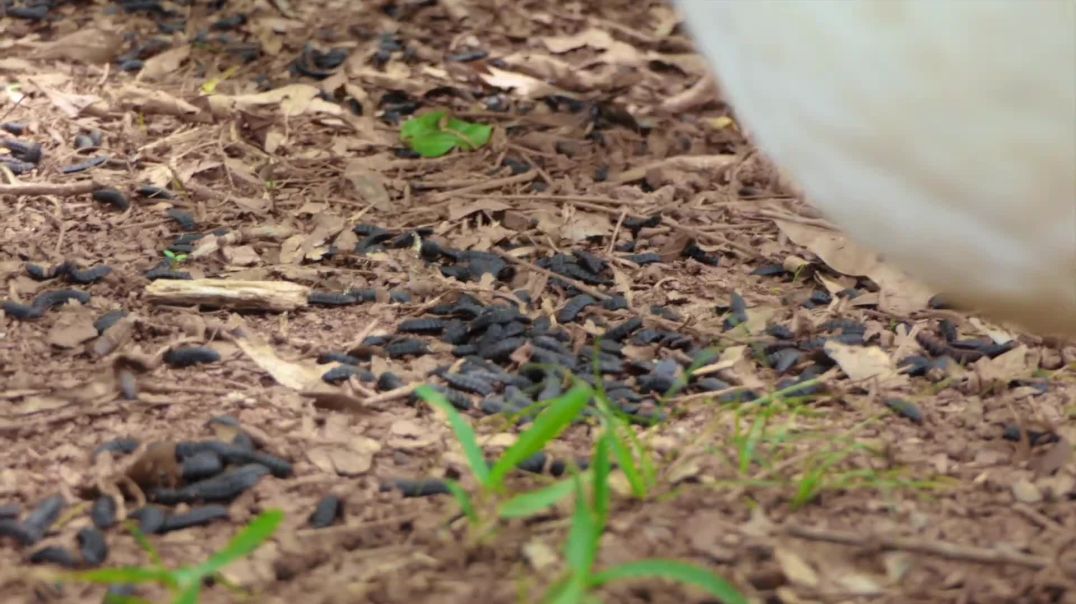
(929, 460)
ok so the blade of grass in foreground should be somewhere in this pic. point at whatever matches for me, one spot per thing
(530, 503)
(548, 425)
(673, 570)
(464, 433)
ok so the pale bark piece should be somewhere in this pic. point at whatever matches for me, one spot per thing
(225, 293)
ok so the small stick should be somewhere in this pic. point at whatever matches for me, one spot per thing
(49, 188)
(489, 184)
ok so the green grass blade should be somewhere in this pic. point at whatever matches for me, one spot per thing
(625, 460)
(463, 499)
(548, 425)
(463, 431)
(600, 488)
(571, 591)
(244, 542)
(673, 570)
(144, 543)
(190, 594)
(131, 574)
(581, 549)
(533, 502)
(118, 599)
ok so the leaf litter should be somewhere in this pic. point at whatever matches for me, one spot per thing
(589, 156)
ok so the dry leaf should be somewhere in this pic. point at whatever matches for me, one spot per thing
(165, 63)
(87, 45)
(862, 362)
(900, 294)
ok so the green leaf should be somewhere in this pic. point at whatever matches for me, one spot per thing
(463, 430)
(548, 425)
(434, 144)
(673, 570)
(463, 498)
(581, 550)
(533, 502)
(432, 135)
(473, 135)
(244, 542)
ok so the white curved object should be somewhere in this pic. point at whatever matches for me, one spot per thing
(942, 133)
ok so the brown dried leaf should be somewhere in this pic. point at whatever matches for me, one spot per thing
(900, 294)
(165, 63)
(86, 45)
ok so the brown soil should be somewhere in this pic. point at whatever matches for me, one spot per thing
(607, 107)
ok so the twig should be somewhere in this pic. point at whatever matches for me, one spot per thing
(534, 267)
(565, 198)
(943, 549)
(392, 395)
(50, 188)
(487, 185)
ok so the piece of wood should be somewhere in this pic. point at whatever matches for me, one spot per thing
(227, 293)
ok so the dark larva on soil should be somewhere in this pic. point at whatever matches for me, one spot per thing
(51, 299)
(16, 128)
(468, 383)
(103, 512)
(27, 151)
(10, 511)
(322, 298)
(389, 381)
(203, 464)
(42, 517)
(17, 167)
(112, 197)
(21, 312)
(455, 332)
(709, 384)
(785, 359)
(769, 270)
(906, 409)
(405, 347)
(1013, 433)
(326, 512)
(623, 330)
(88, 275)
(644, 259)
(40, 273)
(18, 531)
(185, 219)
(92, 546)
(154, 192)
(419, 488)
(338, 374)
(197, 516)
(117, 446)
(696, 253)
(615, 302)
(338, 357)
(54, 555)
(187, 356)
(464, 350)
(400, 297)
(573, 307)
(422, 326)
(223, 487)
(83, 166)
(150, 518)
(232, 453)
(496, 315)
(500, 351)
(164, 270)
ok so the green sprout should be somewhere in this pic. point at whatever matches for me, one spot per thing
(434, 134)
